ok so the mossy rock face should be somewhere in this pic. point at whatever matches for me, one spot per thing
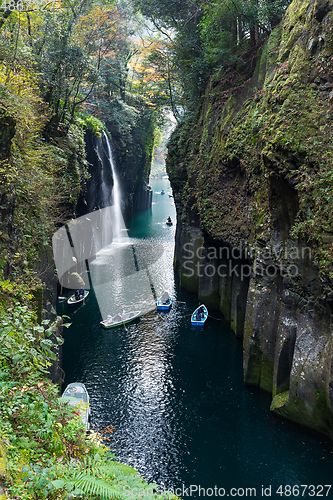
(318, 417)
(253, 168)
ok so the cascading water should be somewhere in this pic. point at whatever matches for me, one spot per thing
(118, 222)
(126, 273)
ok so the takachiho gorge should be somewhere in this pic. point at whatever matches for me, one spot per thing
(175, 393)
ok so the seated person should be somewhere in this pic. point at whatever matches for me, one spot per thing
(117, 317)
(200, 314)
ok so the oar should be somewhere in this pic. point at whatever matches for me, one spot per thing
(180, 301)
(217, 319)
(122, 312)
(186, 315)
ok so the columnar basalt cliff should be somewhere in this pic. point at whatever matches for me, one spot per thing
(252, 180)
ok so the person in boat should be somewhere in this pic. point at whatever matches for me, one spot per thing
(165, 298)
(81, 293)
(200, 314)
(118, 317)
(169, 219)
(77, 295)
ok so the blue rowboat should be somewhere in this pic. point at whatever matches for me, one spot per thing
(164, 303)
(200, 315)
(72, 300)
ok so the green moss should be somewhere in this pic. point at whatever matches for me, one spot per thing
(252, 374)
(275, 124)
(226, 307)
(240, 324)
(294, 408)
(279, 400)
(190, 283)
(3, 460)
(266, 374)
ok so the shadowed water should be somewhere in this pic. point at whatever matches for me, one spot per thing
(176, 395)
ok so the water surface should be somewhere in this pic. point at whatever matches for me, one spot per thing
(176, 395)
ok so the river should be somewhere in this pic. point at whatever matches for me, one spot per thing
(176, 397)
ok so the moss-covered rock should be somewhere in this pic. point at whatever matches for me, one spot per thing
(252, 169)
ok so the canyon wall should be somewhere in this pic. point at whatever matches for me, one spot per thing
(252, 179)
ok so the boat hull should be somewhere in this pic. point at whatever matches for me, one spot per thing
(164, 307)
(194, 321)
(128, 319)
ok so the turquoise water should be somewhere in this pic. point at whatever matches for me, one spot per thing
(176, 395)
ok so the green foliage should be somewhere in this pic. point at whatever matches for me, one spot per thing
(246, 142)
(48, 453)
(90, 122)
(36, 176)
(230, 28)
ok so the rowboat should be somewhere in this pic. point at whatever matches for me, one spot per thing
(119, 319)
(199, 316)
(169, 222)
(72, 300)
(162, 192)
(164, 303)
(77, 395)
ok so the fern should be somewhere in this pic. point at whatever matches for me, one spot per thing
(97, 479)
(108, 480)
(90, 484)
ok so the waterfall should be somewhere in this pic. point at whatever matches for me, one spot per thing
(123, 272)
(118, 222)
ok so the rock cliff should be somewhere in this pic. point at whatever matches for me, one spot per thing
(252, 179)
(132, 163)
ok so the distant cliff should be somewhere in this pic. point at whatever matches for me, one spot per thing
(253, 186)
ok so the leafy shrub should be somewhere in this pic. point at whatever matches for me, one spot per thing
(49, 454)
(89, 122)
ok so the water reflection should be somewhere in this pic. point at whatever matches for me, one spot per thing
(177, 398)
